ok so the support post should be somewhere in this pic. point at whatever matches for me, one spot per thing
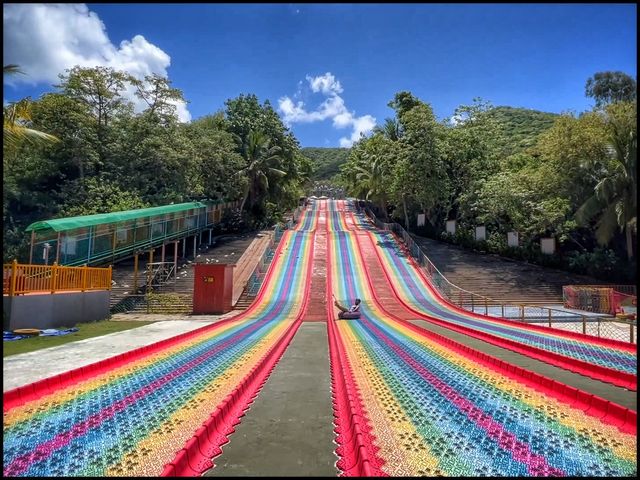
(502, 305)
(113, 244)
(184, 247)
(54, 275)
(85, 274)
(14, 274)
(33, 239)
(163, 248)
(175, 259)
(210, 232)
(135, 273)
(90, 240)
(58, 249)
(549, 318)
(584, 324)
(486, 306)
(522, 312)
(195, 238)
(631, 332)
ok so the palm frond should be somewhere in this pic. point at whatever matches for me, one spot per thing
(607, 225)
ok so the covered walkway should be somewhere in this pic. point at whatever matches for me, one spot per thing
(102, 239)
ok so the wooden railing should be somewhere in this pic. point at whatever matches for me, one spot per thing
(19, 279)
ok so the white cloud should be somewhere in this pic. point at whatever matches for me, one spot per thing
(326, 84)
(333, 107)
(361, 126)
(46, 39)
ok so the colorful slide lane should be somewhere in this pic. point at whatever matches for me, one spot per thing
(164, 409)
(409, 402)
(607, 360)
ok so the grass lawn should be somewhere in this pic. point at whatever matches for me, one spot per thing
(85, 330)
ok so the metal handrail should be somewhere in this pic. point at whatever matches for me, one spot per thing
(482, 301)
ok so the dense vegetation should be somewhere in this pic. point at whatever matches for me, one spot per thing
(520, 127)
(98, 155)
(326, 162)
(575, 180)
(82, 149)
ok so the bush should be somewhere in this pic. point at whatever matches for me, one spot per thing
(233, 221)
(602, 263)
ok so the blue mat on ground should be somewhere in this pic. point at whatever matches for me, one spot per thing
(49, 332)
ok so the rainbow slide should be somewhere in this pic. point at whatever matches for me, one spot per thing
(406, 401)
(607, 360)
(409, 402)
(164, 409)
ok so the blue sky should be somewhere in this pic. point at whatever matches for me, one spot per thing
(331, 69)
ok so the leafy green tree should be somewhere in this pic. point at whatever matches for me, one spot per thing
(245, 116)
(391, 128)
(420, 174)
(614, 202)
(97, 195)
(153, 158)
(72, 122)
(261, 162)
(100, 89)
(574, 148)
(159, 96)
(611, 87)
(16, 121)
(471, 153)
(215, 159)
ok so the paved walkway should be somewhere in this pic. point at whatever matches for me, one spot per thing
(25, 368)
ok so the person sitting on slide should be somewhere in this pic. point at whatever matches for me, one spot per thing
(349, 313)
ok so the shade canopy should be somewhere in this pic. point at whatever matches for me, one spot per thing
(72, 223)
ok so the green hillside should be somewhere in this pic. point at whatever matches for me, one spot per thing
(326, 161)
(521, 126)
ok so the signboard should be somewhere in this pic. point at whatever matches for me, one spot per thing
(512, 239)
(548, 245)
(481, 233)
(451, 226)
(421, 219)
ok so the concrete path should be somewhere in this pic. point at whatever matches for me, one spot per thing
(618, 395)
(25, 368)
(288, 430)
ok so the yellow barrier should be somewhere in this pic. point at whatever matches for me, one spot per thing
(18, 278)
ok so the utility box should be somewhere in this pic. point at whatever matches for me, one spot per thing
(212, 288)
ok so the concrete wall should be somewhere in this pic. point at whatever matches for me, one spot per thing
(54, 310)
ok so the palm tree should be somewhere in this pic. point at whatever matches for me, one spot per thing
(261, 160)
(16, 116)
(390, 129)
(614, 202)
(370, 180)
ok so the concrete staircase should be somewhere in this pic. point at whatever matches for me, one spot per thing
(498, 278)
(242, 297)
(177, 296)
